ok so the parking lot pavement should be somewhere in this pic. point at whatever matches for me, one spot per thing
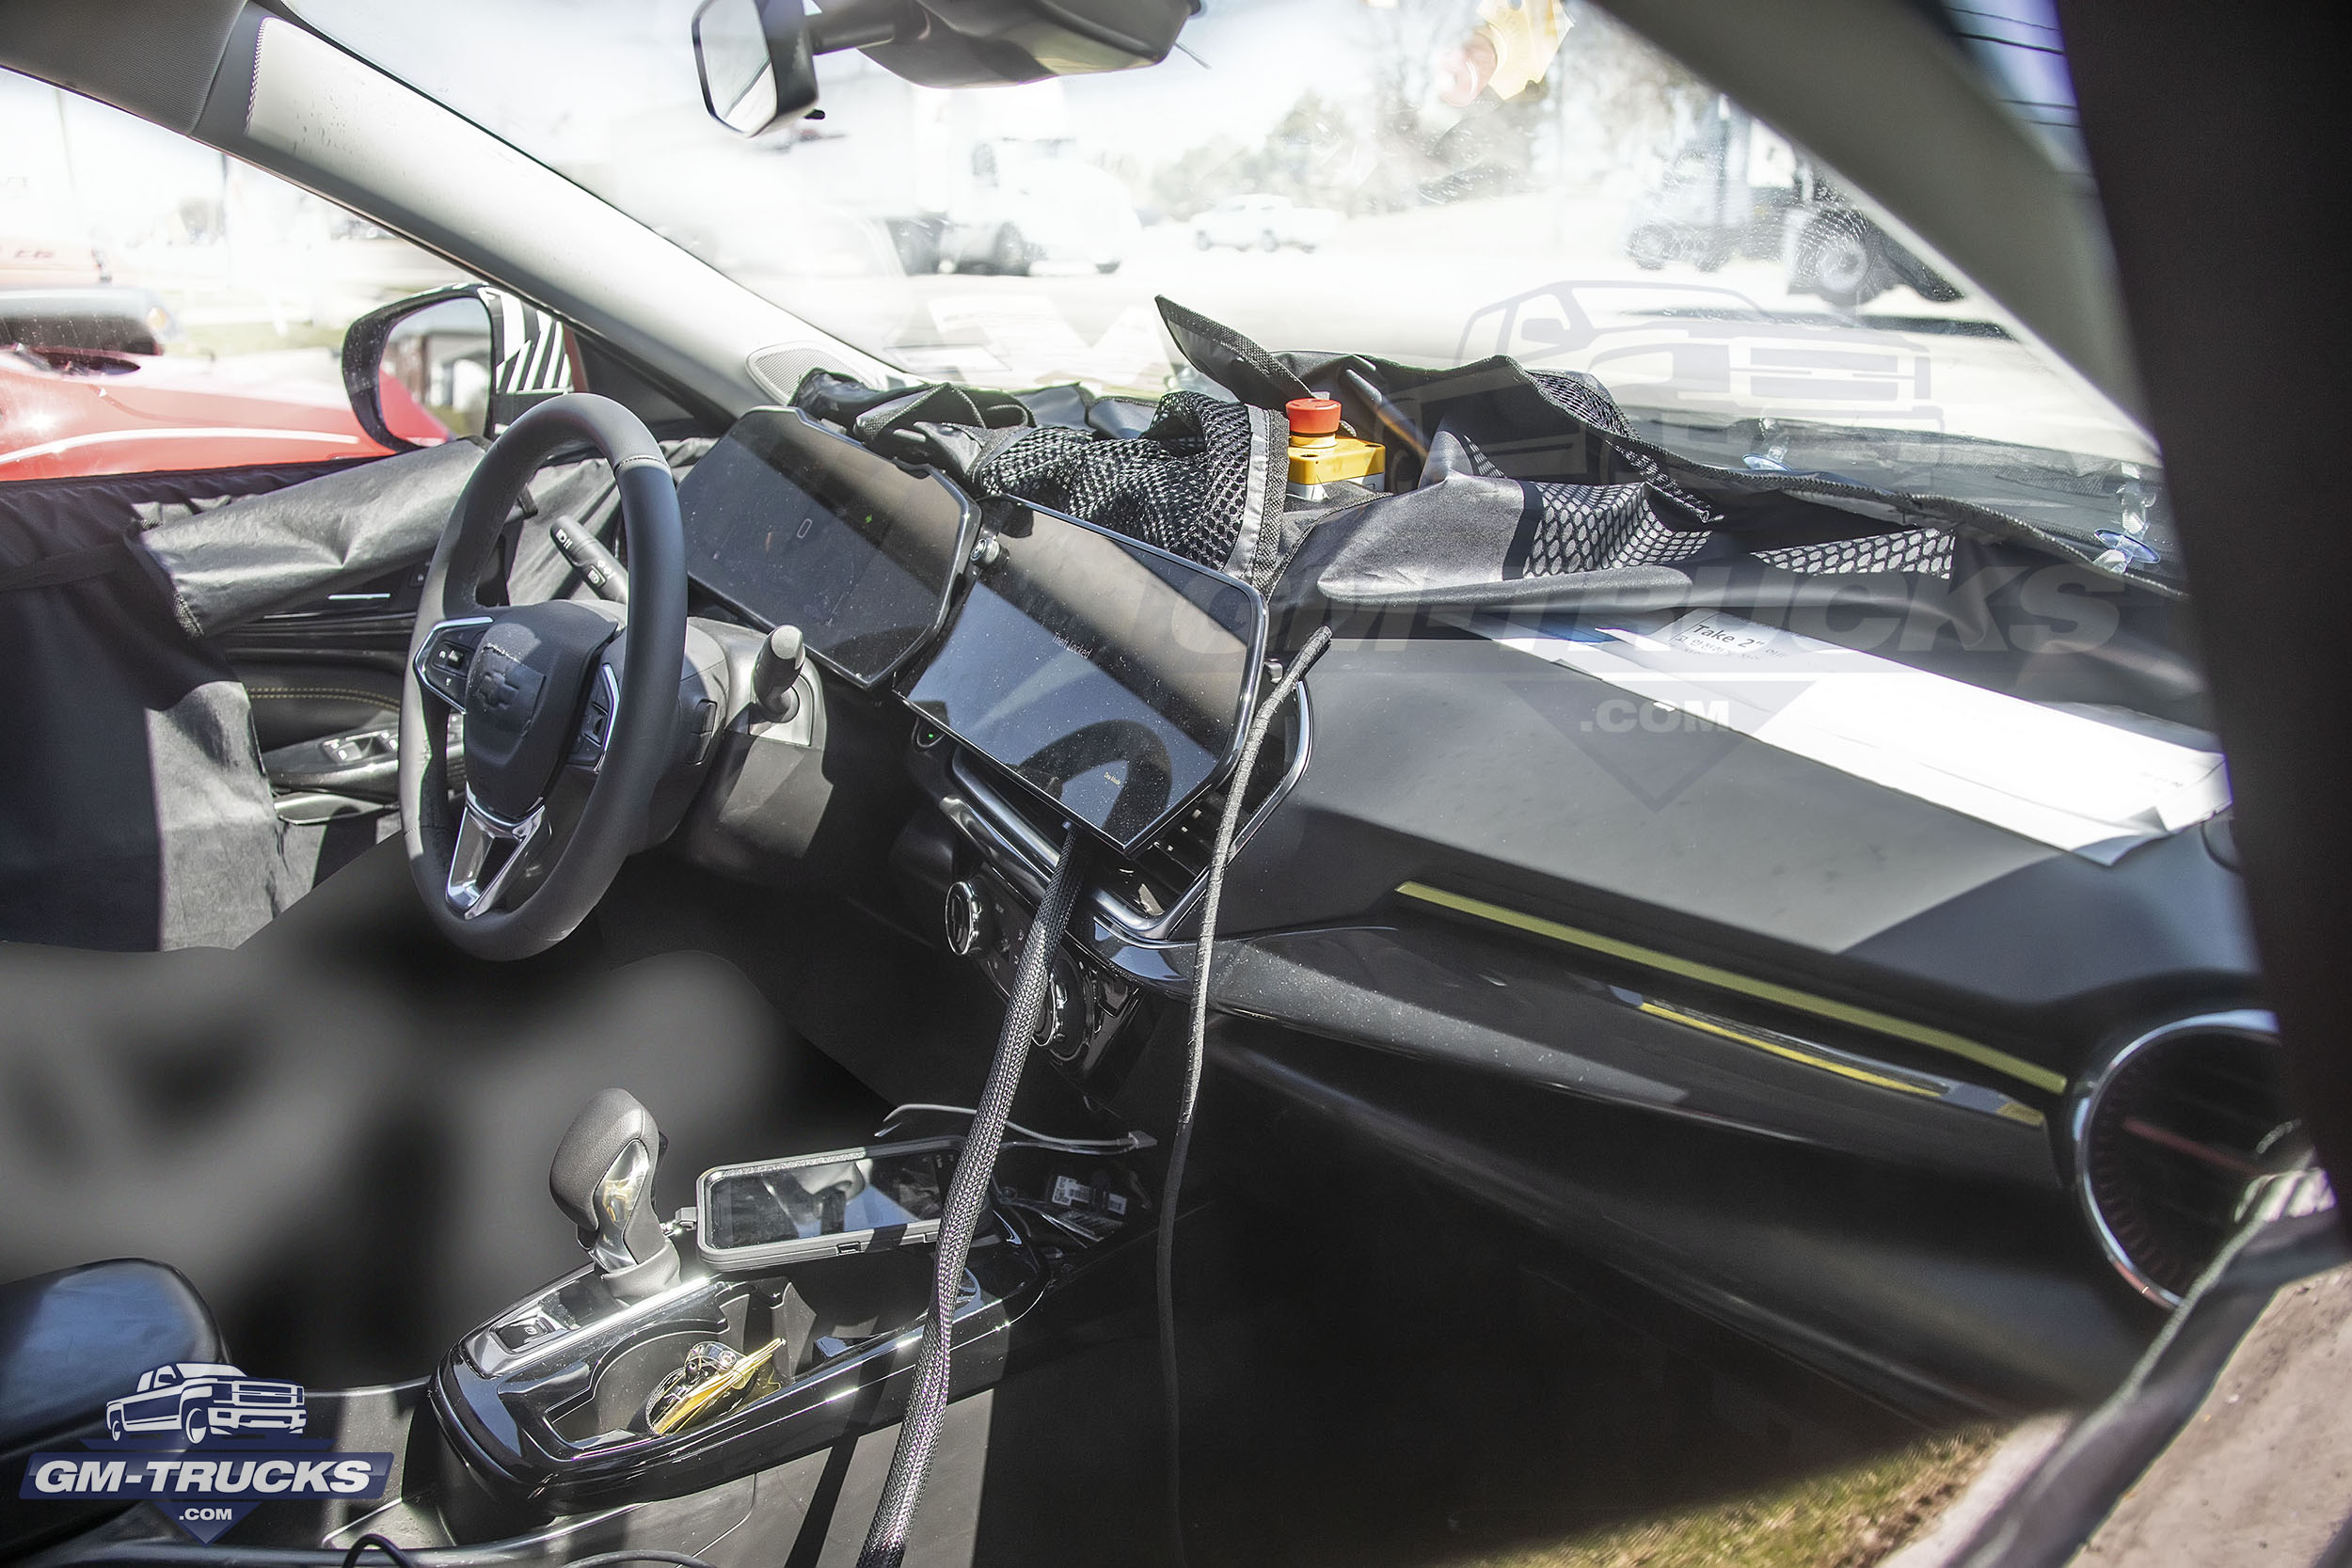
(2263, 1472)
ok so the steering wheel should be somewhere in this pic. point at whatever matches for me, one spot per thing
(524, 859)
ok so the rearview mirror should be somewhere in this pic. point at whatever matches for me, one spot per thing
(752, 56)
(757, 57)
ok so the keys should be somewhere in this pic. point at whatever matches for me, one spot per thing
(707, 1383)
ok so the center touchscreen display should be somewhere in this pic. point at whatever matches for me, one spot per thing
(798, 527)
(1110, 676)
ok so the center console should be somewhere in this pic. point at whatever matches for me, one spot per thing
(570, 1399)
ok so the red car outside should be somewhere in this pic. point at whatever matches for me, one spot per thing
(67, 412)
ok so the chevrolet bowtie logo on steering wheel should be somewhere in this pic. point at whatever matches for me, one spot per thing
(497, 691)
(502, 685)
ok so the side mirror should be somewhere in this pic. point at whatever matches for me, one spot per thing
(454, 362)
(755, 62)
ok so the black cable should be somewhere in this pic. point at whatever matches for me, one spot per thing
(967, 1197)
(390, 1548)
(1197, 1049)
(1124, 1143)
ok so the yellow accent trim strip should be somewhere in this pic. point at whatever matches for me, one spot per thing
(1820, 1007)
(1792, 1053)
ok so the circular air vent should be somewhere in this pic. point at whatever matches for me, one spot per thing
(2168, 1134)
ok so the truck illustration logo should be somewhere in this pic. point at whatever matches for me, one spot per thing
(207, 1446)
(206, 1399)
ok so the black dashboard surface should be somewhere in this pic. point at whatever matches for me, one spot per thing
(1107, 676)
(1460, 763)
(1112, 680)
(795, 526)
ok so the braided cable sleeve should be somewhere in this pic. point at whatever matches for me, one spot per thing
(1196, 1049)
(967, 1198)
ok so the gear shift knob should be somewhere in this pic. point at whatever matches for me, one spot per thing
(602, 1178)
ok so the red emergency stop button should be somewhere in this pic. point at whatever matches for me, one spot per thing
(1312, 416)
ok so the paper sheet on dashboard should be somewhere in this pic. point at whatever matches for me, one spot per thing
(2063, 778)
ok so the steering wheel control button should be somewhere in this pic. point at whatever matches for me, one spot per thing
(448, 650)
(595, 721)
(970, 924)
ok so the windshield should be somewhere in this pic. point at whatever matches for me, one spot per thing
(1427, 181)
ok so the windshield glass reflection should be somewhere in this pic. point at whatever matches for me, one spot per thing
(1427, 181)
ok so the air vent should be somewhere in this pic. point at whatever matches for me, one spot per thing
(1178, 860)
(2168, 1135)
(1180, 857)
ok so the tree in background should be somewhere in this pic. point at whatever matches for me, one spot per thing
(1466, 100)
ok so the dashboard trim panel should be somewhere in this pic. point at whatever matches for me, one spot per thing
(1955, 1092)
(1448, 995)
(1709, 974)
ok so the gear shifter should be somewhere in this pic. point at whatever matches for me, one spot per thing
(602, 1179)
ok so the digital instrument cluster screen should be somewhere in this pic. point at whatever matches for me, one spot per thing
(795, 526)
(1110, 676)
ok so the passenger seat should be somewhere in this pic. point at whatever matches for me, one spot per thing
(70, 1341)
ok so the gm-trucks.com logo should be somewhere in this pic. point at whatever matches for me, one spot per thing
(207, 1445)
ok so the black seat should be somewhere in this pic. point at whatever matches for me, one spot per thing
(70, 1341)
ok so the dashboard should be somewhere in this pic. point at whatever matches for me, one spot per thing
(1110, 678)
(1715, 1014)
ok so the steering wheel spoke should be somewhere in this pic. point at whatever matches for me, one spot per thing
(489, 851)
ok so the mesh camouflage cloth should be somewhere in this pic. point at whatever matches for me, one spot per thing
(1581, 496)
(1185, 484)
(1914, 550)
(1594, 527)
(1586, 528)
